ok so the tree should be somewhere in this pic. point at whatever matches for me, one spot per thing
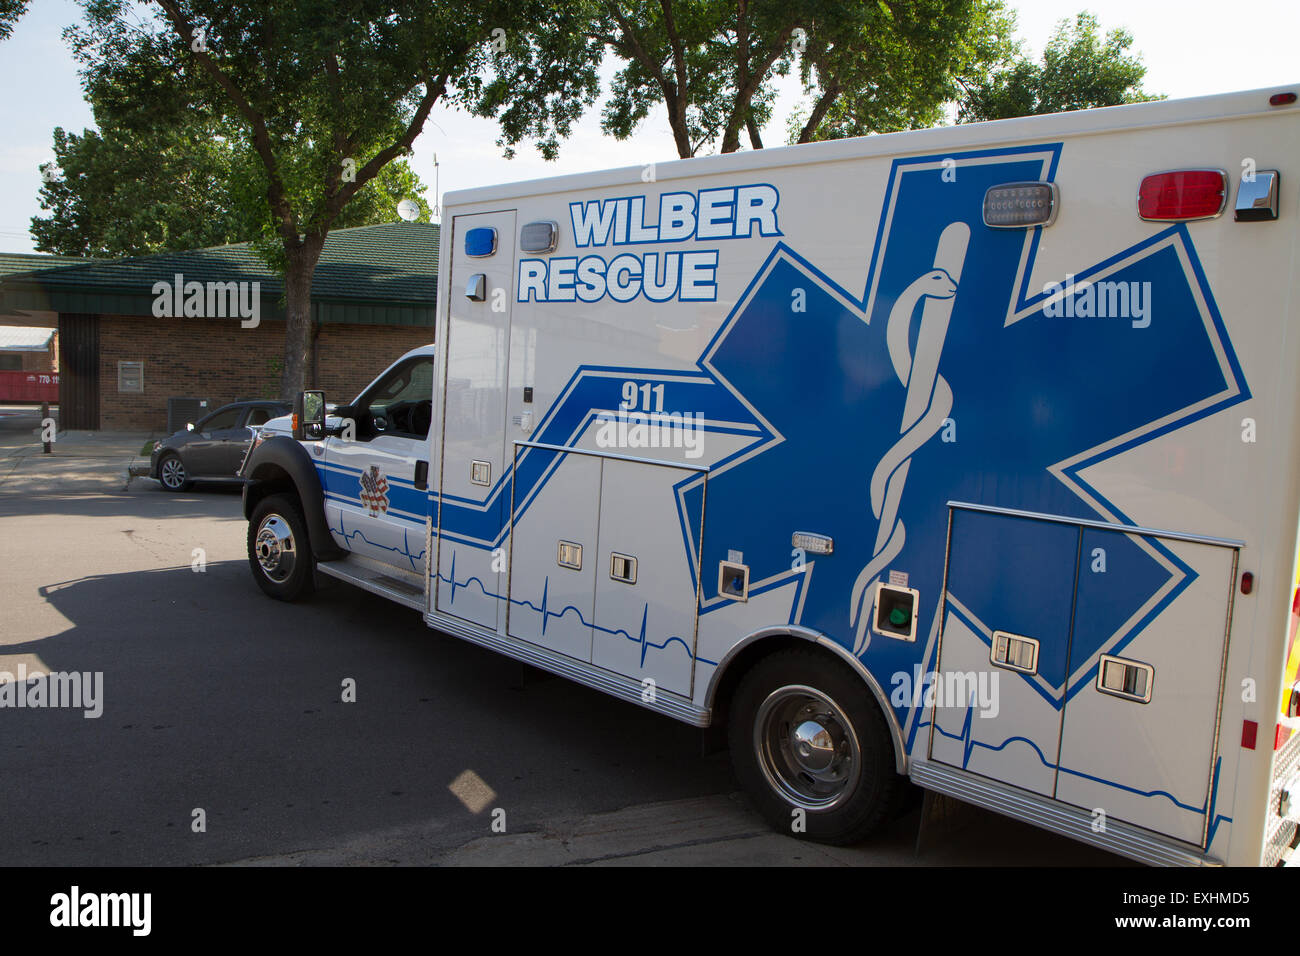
(882, 67)
(174, 187)
(869, 65)
(1079, 70)
(10, 11)
(709, 62)
(321, 95)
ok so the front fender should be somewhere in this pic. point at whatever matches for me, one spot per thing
(282, 464)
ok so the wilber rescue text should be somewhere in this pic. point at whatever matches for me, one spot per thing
(729, 212)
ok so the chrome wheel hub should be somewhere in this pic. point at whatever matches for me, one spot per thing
(173, 473)
(275, 548)
(806, 747)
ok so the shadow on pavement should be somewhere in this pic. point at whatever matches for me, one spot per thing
(216, 697)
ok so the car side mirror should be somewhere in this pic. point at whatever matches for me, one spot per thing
(189, 426)
(309, 415)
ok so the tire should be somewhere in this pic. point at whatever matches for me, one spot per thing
(172, 474)
(279, 551)
(807, 734)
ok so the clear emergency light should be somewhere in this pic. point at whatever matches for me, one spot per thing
(1021, 205)
(539, 237)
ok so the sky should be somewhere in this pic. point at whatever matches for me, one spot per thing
(1190, 48)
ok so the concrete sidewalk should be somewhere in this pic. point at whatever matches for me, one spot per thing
(79, 462)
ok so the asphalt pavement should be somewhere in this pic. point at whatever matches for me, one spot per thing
(225, 736)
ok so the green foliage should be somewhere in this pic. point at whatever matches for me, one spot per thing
(709, 62)
(882, 67)
(868, 65)
(318, 97)
(1080, 69)
(112, 193)
(10, 11)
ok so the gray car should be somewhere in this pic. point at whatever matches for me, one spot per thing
(213, 446)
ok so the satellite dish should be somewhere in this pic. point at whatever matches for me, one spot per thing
(409, 210)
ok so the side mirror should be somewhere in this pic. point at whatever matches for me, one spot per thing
(309, 415)
(189, 426)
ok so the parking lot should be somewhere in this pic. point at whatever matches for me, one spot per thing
(223, 707)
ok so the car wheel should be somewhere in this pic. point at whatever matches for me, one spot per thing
(279, 551)
(172, 473)
(810, 746)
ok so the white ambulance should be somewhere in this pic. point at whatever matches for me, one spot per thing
(967, 455)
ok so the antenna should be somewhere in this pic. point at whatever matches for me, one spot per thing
(437, 208)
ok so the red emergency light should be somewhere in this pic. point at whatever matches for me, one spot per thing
(1181, 195)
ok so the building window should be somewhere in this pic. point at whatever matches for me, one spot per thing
(130, 376)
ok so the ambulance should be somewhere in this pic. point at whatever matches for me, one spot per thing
(967, 456)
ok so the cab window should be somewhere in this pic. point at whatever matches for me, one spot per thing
(401, 403)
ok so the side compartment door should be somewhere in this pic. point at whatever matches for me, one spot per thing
(646, 576)
(553, 549)
(1010, 580)
(474, 486)
(1138, 740)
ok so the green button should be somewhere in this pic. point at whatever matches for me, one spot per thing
(898, 617)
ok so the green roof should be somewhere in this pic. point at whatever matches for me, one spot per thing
(11, 262)
(367, 275)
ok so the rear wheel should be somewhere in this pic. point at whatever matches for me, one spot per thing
(172, 473)
(812, 749)
(278, 549)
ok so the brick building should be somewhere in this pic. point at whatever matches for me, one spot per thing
(19, 329)
(136, 332)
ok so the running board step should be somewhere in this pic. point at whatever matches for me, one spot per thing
(1118, 837)
(375, 581)
(616, 685)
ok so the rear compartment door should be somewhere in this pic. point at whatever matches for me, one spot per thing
(1043, 683)
(1138, 741)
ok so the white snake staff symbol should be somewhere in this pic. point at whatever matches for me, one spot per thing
(926, 405)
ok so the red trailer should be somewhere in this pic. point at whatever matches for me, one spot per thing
(29, 387)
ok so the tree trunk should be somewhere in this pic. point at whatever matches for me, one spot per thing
(681, 134)
(822, 107)
(298, 338)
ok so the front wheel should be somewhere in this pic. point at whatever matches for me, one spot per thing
(812, 749)
(279, 551)
(172, 474)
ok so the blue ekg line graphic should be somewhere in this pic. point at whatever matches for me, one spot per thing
(412, 558)
(969, 745)
(547, 613)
